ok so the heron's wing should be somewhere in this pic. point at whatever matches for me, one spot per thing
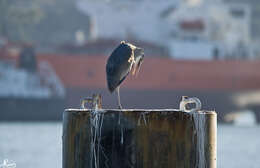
(123, 79)
(118, 67)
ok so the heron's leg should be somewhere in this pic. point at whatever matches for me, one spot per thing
(118, 97)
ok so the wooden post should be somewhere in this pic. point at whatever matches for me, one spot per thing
(139, 138)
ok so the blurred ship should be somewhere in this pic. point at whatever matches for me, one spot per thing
(36, 91)
(29, 90)
(222, 85)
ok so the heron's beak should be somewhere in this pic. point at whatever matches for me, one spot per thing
(137, 66)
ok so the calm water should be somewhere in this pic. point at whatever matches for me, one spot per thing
(38, 145)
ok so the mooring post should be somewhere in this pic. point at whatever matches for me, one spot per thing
(139, 138)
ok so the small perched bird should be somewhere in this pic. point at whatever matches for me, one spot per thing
(124, 59)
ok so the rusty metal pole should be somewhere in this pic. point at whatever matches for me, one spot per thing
(138, 138)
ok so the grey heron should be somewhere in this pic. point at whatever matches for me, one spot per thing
(124, 59)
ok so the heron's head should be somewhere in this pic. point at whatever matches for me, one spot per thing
(138, 56)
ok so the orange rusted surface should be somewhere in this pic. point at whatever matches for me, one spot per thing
(159, 73)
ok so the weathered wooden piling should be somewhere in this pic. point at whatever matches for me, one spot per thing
(139, 138)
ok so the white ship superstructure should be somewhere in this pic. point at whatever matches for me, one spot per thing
(19, 83)
(222, 29)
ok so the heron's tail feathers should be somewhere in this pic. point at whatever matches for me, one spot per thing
(112, 84)
(111, 88)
